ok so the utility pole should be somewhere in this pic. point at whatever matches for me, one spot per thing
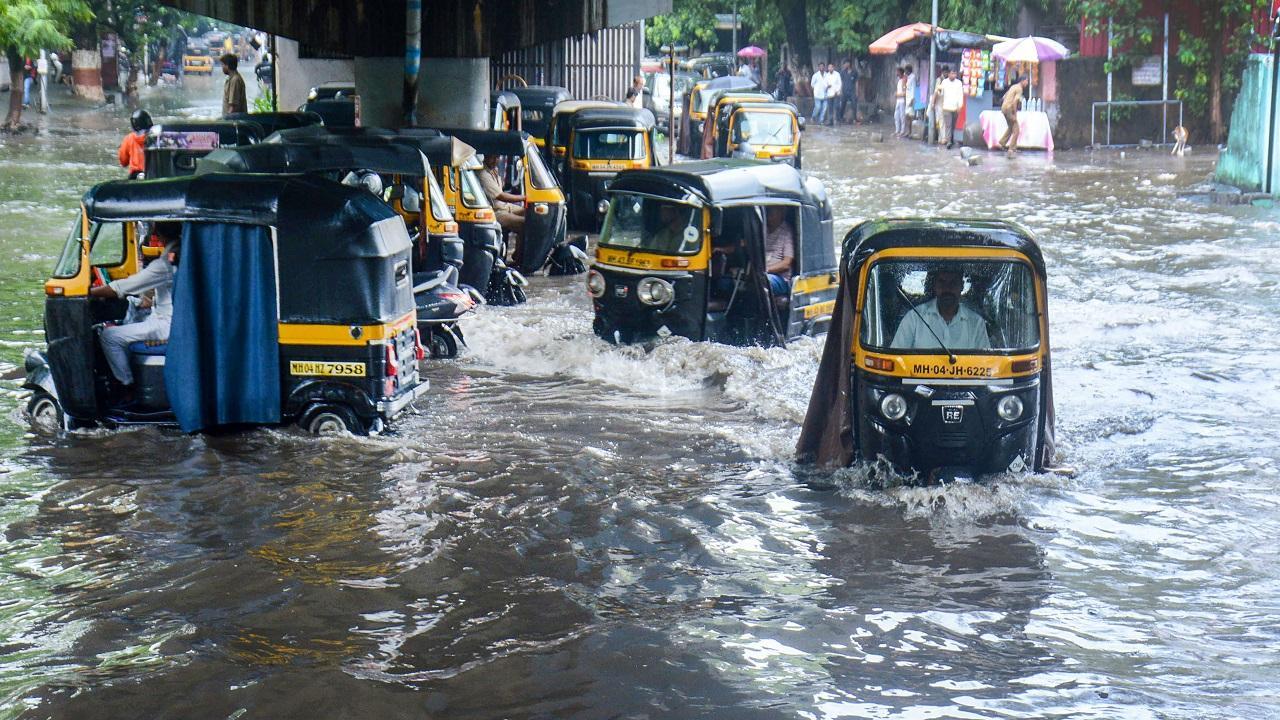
(734, 49)
(931, 132)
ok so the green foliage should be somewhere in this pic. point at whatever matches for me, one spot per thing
(27, 26)
(264, 102)
(690, 22)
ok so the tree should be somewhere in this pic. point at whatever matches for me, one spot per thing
(26, 28)
(690, 22)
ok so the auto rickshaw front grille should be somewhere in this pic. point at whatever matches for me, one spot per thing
(953, 439)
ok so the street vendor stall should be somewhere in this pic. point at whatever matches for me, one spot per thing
(1030, 57)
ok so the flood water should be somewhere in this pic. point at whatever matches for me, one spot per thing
(574, 530)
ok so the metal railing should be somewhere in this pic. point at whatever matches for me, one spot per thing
(1164, 120)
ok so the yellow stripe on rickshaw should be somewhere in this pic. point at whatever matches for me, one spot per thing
(966, 367)
(649, 261)
(317, 334)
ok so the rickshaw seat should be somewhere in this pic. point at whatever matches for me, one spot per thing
(143, 347)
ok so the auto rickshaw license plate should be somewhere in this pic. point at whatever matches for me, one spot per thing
(326, 369)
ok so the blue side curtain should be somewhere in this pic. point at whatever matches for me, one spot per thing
(222, 366)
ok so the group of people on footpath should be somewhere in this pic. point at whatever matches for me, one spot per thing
(834, 92)
(36, 72)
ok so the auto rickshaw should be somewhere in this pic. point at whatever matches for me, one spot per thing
(536, 105)
(718, 102)
(292, 302)
(603, 142)
(270, 122)
(938, 361)
(197, 65)
(524, 173)
(711, 65)
(335, 101)
(695, 109)
(454, 164)
(172, 149)
(556, 143)
(759, 131)
(504, 111)
(398, 174)
(683, 248)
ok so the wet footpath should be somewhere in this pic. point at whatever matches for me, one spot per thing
(569, 529)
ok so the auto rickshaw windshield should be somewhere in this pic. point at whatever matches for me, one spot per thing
(609, 145)
(764, 128)
(472, 192)
(539, 173)
(439, 207)
(636, 222)
(969, 306)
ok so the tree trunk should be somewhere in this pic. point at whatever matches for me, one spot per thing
(86, 74)
(157, 66)
(1215, 88)
(12, 119)
(795, 21)
(131, 85)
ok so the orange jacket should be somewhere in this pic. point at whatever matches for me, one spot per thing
(131, 153)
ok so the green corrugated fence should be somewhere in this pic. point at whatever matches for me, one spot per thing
(1243, 163)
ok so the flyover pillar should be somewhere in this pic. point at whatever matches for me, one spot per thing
(453, 92)
(379, 82)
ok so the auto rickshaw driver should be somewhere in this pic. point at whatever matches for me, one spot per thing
(157, 276)
(509, 207)
(673, 229)
(779, 251)
(943, 321)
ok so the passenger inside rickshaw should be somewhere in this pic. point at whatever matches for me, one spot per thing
(731, 262)
(984, 306)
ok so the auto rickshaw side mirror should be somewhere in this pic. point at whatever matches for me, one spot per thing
(800, 122)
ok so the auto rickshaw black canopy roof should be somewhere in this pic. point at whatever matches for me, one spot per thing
(230, 132)
(364, 153)
(873, 236)
(273, 121)
(728, 82)
(607, 117)
(337, 242)
(722, 181)
(750, 105)
(541, 96)
(440, 149)
(491, 142)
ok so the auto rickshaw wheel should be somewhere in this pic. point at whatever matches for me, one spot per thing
(45, 412)
(331, 420)
(443, 344)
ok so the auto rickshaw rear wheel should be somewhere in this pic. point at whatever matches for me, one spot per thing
(45, 411)
(330, 420)
(442, 344)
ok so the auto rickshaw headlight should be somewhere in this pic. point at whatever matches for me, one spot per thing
(655, 291)
(602, 207)
(595, 284)
(541, 208)
(893, 407)
(1009, 408)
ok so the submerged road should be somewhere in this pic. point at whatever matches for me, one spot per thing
(571, 529)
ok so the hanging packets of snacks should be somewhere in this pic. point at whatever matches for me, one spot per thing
(973, 70)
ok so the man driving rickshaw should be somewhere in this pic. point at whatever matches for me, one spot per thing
(721, 250)
(938, 360)
(292, 302)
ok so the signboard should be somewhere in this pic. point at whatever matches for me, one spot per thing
(1148, 72)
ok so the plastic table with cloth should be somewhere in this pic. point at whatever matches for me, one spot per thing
(1034, 132)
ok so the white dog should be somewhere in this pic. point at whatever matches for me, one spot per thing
(1180, 135)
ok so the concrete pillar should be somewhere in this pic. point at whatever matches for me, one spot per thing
(298, 75)
(453, 92)
(380, 84)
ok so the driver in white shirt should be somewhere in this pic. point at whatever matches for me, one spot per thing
(955, 325)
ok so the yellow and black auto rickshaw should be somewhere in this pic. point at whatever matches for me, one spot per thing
(759, 131)
(718, 103)
(537, 102)
(270, 122)
(602, 143)
(683, 252)
(937, 365)
(400, 175)
(689, 139)
(172, 149)
(291, 302)
(556, 144)
(524, 173)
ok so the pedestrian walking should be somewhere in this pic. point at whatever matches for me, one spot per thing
(933, 110)
(57, 68)
(900, 105)
(635, 93)
(821, 94)
(42, 78)
(1009, 108)
(952, 102)
(784, 87)
(835, 91)
(909, 92)
(28, 79)
(233, 98)
(848, 90)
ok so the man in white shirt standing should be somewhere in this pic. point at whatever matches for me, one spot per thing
(952, 102)
(834, 87)
(944, 318)
(821, 91)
